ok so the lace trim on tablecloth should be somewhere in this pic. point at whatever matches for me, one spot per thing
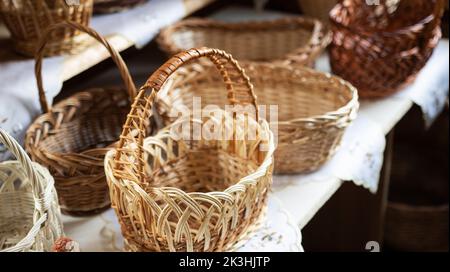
(361, 154)
(430, 89)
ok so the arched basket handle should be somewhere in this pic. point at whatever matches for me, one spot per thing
(14, 147)
(124, 72)
(240, 91)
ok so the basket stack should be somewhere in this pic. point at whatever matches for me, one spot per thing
(286, 41)
(29, 210)
(174, 193)
(28, 19)
(111, 6)
(72, 137)
(313, 108)
(380, 48)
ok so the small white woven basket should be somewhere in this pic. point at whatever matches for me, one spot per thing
(29, 210)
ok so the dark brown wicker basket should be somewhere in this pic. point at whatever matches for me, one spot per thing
(417, 212)
(379, 48)
(111, 6)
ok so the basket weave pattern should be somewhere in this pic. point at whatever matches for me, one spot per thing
(381, 48)
(188, 195)
(313, 108)
(72, 138)
(111, 6)
(286, 41)
(29, 210)
(28, 19)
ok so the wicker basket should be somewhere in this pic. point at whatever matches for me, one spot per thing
(313, 108)
(29, 210)
(72, 138)
(380, 48)
(27, 20)
(319, 9)
(291, 40)
(190, 195)
(417, 214)
(111, 6)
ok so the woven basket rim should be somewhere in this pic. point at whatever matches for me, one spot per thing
(378, 33)
(261, 171)
(323, 32)
(351, 105)
(62, 107)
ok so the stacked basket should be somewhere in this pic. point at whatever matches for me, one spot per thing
(380, 48)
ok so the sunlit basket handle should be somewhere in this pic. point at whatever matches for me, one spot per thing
(124, 73)
(14, 147)
(240, 91)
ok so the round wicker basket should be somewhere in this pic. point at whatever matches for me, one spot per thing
(290, 40)
(72, 137)
(313, 108)
(380, 48)
(190, 194)
(29, 210)
(28, 19)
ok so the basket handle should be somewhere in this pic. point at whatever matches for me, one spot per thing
(124, 72)
(14, 147)
(134, 129)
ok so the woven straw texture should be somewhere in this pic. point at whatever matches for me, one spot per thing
(380, 48)
(72, 138)
(319, 9)
(29, 211)
(313, 108)
(190, 195)
(111, 6)
(28, 19)
(293, 40)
